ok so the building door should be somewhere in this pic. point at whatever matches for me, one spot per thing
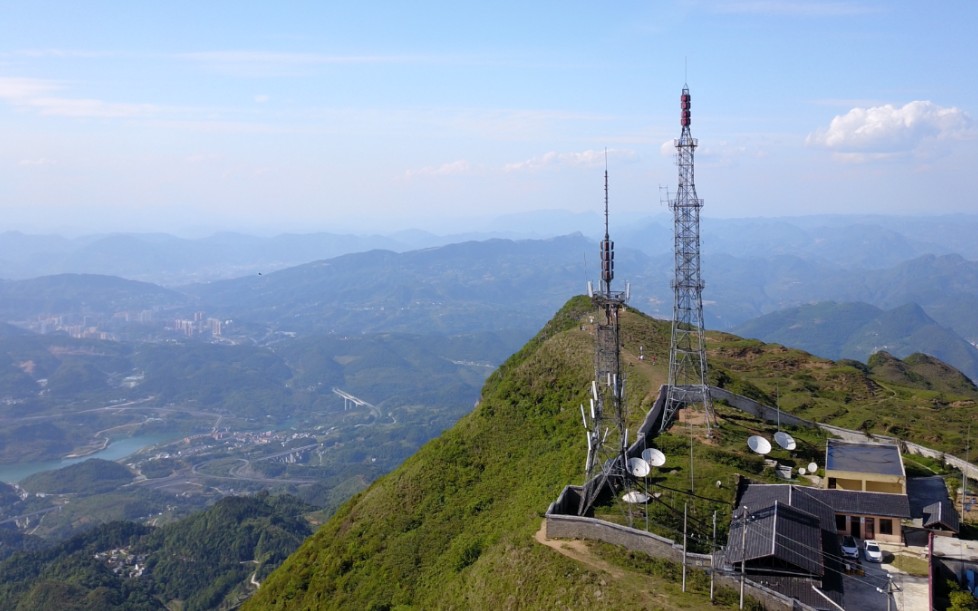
(854, 527)
(870, 528)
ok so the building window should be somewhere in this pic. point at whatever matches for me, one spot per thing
(831, 483)
(841, 523)
(886, 527)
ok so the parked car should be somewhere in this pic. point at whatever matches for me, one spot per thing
(850, 549)
(873, 552)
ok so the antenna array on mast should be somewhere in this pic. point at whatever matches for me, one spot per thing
(605, 421)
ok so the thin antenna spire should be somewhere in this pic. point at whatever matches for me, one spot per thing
(607, 246)
(607, 433)
(606, 234)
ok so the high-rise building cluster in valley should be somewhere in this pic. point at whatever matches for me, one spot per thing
(125, 324)
(198, 326)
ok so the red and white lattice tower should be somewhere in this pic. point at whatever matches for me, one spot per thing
(687, 352)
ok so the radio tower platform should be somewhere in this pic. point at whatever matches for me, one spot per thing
(687, 352)
(605, 422)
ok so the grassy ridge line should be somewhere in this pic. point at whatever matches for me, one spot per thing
(453, 527)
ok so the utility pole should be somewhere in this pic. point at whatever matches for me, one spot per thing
(713, 554)
(743, 556)
(685, 508)
(964, 479)
(888, 591)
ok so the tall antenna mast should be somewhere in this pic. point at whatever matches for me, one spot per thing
(687, 352)
(607, 246)
(605, 421)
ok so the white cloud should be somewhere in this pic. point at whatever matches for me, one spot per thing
(68, 107)
(446, 169)
(13, 89)
(265, 57)
(40, 161)
(58, 53)
(589, 158)
(261, 64)
(723, 152)
(197, 158)
(886, 131)
(35, 94)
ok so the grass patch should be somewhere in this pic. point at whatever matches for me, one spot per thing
(910, 564)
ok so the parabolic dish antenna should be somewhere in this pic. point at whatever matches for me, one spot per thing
(801, 471)
(758, 444)
(784, 440)
(654, 457)
(812, 467)
(638, 467)
(634, 496)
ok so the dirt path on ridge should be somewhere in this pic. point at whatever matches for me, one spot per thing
(577, 550)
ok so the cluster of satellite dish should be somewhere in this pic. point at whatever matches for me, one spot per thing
(761, 445)
(641, 467)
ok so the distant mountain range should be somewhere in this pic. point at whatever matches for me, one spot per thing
(855, 330)
(414, 280)
(170, 260)
(459, 288)
(847, 241)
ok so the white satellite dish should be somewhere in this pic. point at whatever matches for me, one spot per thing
(785, 440)
(758, 444)
(812, 467)
(638, 467)
(654, 457)
(801, 471)
(634, 496)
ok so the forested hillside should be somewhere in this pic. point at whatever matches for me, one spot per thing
(210, 560)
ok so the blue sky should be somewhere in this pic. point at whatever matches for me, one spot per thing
(308, 116)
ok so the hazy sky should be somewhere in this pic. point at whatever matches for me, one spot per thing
(307, 116)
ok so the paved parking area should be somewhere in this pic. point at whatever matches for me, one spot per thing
(868, 591)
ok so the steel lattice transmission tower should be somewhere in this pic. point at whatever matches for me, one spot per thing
(687, 352)
(605, 422)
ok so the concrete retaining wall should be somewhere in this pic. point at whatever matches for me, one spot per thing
(576, 527)
(562, 524)
(750, 406)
